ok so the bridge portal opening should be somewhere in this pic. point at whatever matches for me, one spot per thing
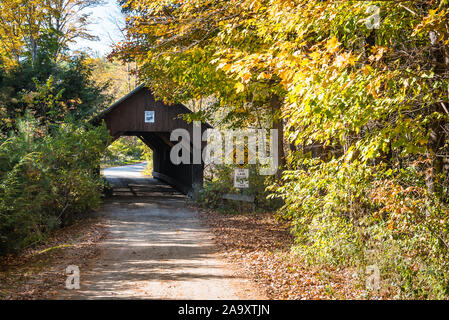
(128, 150)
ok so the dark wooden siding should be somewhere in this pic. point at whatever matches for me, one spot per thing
(128, 115)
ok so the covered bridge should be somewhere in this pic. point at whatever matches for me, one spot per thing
(140, 114)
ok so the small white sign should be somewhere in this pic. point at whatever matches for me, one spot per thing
(241, 178)
(149, 116)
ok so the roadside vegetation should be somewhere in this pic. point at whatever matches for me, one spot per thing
(48, 178)
(49, 153)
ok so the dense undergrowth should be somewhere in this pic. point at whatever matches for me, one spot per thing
(48, 177)
(219, 180)
(356, 217)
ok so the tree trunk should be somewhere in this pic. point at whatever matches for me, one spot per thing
(33, 51)
(437, 134)
(278, 124)
(136, 76)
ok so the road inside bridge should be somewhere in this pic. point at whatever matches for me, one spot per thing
(156, 248)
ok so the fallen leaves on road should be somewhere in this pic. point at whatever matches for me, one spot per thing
(260, 245)
(39, 273)
(257, 243)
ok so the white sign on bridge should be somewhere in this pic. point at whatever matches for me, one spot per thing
(241, 178)
(149, 116)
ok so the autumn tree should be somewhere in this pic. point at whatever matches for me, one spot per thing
(186, 50)
(27, 26)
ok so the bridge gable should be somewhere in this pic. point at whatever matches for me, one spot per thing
(129, 114)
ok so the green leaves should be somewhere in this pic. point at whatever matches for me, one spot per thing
(45, 182)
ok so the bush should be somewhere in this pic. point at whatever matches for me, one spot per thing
(47, 177)
(126, 150)
(220, 180)
(353, 215)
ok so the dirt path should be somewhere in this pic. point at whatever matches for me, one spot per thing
(156, 248)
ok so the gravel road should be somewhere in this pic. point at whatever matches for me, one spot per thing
(157, 248)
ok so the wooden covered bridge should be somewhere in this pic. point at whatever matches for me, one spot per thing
(140, 114)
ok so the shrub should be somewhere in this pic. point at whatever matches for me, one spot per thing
(347, 214)
(220, 180)
(47, 177)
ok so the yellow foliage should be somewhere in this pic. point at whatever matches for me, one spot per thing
(239, 87)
